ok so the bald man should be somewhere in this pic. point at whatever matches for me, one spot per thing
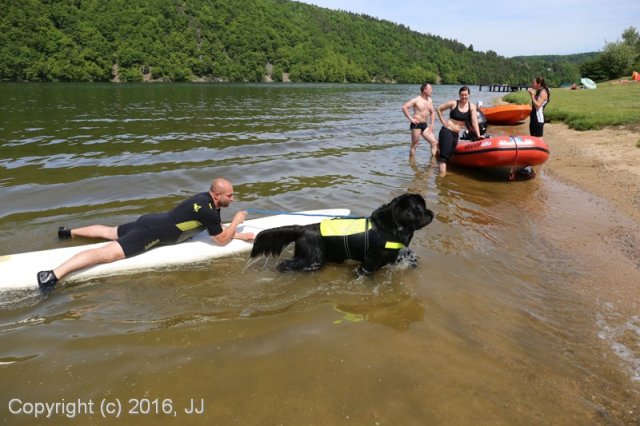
(200, 212)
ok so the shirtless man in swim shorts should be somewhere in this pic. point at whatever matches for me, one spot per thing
(423, 111)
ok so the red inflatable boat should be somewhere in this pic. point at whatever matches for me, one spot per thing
(503, 154)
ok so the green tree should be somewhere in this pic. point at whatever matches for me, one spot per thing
(617, 60)
(234, 40)
(631, 38)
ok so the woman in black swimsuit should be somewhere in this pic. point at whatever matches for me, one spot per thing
(540, 97)
(462, 115)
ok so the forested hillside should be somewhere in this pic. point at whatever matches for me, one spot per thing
(237, 40)
(577, 58)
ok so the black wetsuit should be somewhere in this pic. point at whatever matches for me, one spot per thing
(448, 139)
(184, 221)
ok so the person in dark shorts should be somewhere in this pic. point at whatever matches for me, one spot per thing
(462, 114)
(423, 113)
(200, 212)
(540, 97)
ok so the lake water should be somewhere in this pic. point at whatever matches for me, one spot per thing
(502, 322)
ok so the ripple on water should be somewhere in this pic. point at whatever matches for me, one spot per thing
(498, 307)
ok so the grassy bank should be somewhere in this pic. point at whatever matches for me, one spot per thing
(611, 104)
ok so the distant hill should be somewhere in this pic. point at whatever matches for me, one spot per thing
(577, 58)
(240, 40)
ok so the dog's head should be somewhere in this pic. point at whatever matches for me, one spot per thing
(402, 216)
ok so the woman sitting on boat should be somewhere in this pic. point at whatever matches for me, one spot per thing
(462, 115)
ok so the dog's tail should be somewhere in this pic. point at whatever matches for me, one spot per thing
(271, 242)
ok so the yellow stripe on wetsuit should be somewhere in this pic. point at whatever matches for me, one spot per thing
(189, 225)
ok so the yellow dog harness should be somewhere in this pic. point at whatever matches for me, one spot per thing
(356, 236)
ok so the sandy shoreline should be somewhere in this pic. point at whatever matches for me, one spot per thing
(604, 162)
(606, 241)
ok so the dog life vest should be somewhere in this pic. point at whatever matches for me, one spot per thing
(353, 238)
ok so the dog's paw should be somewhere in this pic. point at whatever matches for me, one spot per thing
(407, 258)
(362, 272)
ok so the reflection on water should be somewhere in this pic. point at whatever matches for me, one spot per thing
(503, 321)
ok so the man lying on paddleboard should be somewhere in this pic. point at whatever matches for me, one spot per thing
(184, 221)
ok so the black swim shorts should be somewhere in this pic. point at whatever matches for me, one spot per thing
(135, 238)
(421, 126)
(147, 232)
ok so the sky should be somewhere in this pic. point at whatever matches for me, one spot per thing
(508, 27)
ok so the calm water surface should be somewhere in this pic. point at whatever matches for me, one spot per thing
(496, 325)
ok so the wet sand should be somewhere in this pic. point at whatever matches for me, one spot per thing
(605, 164)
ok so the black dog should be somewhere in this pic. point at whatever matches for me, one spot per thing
(374, 241)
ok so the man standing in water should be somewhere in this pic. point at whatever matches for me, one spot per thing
(423, 111)
(184, 221)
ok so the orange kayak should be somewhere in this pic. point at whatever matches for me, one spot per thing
(506, 114)
(502, 153)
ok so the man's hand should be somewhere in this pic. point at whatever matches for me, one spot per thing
(229, 232)
(239, 217)
(245, 236)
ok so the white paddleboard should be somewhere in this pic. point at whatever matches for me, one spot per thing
(18, 271)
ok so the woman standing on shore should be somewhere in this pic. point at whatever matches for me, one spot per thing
(463, 114)
(540, 96)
